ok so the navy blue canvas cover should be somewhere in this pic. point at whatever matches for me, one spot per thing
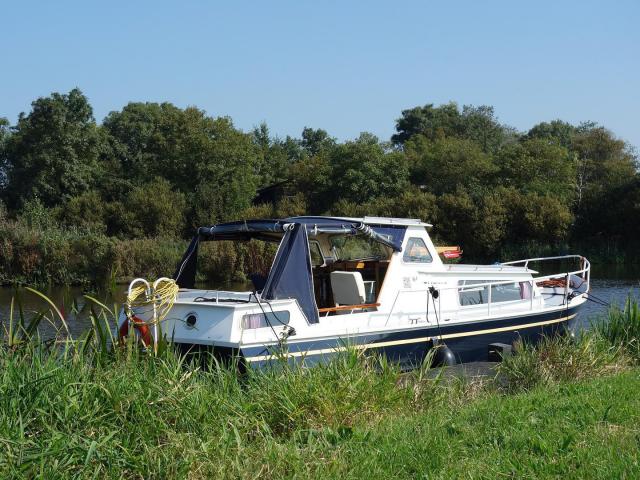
(274, 230)
(185, 275)
(291, 275)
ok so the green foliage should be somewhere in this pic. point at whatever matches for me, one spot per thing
(53, 152)
(213, 164)
(155, 170)
(274, 158)
(477, 124)
(32, 254)
(87, 211)
(155, 210)
(539, 217)
(35, 215)
(555, 132)
(538, 166)
(444, 165)
(560, 359)
(314, 142)
(363, 169)
(5, 132)
(604, 161)
(411, 203)
(622, 327)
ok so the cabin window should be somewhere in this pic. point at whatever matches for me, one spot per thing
(416, 251)
(259, 320)
(355, 247)
(317, 259)
(507, 292)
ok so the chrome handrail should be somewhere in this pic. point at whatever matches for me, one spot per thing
(542, 259)
(584, 273)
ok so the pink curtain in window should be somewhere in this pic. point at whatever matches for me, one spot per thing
(525, 290)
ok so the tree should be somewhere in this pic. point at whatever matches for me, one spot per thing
(54, 151)
(459, 214)
(481, 125)
(313, 177)
(442, 165)
(542, 218)
(316, 141)
(428, 121)
(411, 203)
(535, 165)
(364, 169)
(623, 221)
(274, 157)
(604, 162)
(556, 131)
(478, 124)
(86, 210)
(215, 165)
(4, 138)
(156, 210)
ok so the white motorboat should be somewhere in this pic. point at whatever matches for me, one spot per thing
(374, 284)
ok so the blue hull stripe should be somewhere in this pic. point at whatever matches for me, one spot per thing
(408, 337)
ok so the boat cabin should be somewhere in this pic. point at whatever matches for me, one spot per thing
(330, 265)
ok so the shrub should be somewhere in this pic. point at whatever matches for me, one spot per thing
(157, 210)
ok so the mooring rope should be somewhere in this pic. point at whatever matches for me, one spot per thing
(158, 297)
(597, 300)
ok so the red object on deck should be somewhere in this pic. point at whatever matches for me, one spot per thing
(449, 254)
(140, 326)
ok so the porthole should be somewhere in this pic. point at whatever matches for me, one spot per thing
(191, 319)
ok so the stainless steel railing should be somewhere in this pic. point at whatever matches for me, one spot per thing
(583, 272)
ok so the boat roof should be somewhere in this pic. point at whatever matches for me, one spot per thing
(367, 220)
(389, 231)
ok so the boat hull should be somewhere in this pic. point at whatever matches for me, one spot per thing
(468, 342)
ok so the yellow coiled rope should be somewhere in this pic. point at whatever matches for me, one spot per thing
(155, 299)
(158, 298)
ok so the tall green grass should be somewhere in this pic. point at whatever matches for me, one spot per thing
(89, 408)
(560, 359)
(622, 327)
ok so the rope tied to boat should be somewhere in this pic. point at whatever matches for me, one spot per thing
(160, 296)
(143, 298)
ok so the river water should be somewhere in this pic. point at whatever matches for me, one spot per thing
(612, 284)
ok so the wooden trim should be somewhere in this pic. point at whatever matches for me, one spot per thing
(348, 307)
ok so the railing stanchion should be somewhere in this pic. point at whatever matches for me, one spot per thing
(531, 295)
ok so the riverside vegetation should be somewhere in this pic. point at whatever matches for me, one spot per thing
(85, 409)
(82, 202)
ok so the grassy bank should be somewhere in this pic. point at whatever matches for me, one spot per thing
(157, 419)
(81, 409)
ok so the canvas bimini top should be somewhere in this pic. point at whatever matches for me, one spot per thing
(291, 274)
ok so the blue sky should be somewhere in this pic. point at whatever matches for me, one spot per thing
(343, 66)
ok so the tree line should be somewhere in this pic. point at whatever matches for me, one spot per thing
(155, 170)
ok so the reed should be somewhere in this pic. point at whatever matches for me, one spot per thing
(560, 359)
(621, 327)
